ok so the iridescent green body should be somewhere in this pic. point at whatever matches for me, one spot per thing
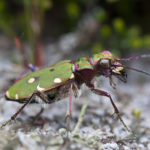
(83, 63)
(52, 79)
(103, 55)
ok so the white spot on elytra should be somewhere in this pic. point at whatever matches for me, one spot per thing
(31, 80)
(57, 80)
(7, 94)
(40, 88)
(72, 76)
(16, 96)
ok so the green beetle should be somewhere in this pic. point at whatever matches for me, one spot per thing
(60, 80)
(55, 81)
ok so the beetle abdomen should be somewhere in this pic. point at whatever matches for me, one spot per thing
(42, 80)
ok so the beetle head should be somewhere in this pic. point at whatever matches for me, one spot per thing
(108, 67)
(105, 64)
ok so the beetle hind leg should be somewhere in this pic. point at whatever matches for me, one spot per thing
(39, 94)
(32, 67)
(36, 118)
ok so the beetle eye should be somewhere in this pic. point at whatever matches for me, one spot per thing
(104, 62)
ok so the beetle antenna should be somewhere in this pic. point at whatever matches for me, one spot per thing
(134, 57)
(137, 70)
(134, 69)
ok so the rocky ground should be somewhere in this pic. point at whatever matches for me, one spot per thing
(92, 128)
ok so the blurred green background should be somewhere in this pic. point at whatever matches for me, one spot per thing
(121, 26)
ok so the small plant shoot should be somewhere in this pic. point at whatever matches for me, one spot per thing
(65, 78)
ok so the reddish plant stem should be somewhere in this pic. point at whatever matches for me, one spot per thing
(38, 56)
(22, 51)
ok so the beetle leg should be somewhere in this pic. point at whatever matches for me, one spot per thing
(41, 95)
(21, 75)
(31, 67)
(15, 115)
(68, 114)
(112, 82)
(103, 93)
(36, 117)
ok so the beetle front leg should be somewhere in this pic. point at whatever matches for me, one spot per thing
(39, 94)
(103, 93)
